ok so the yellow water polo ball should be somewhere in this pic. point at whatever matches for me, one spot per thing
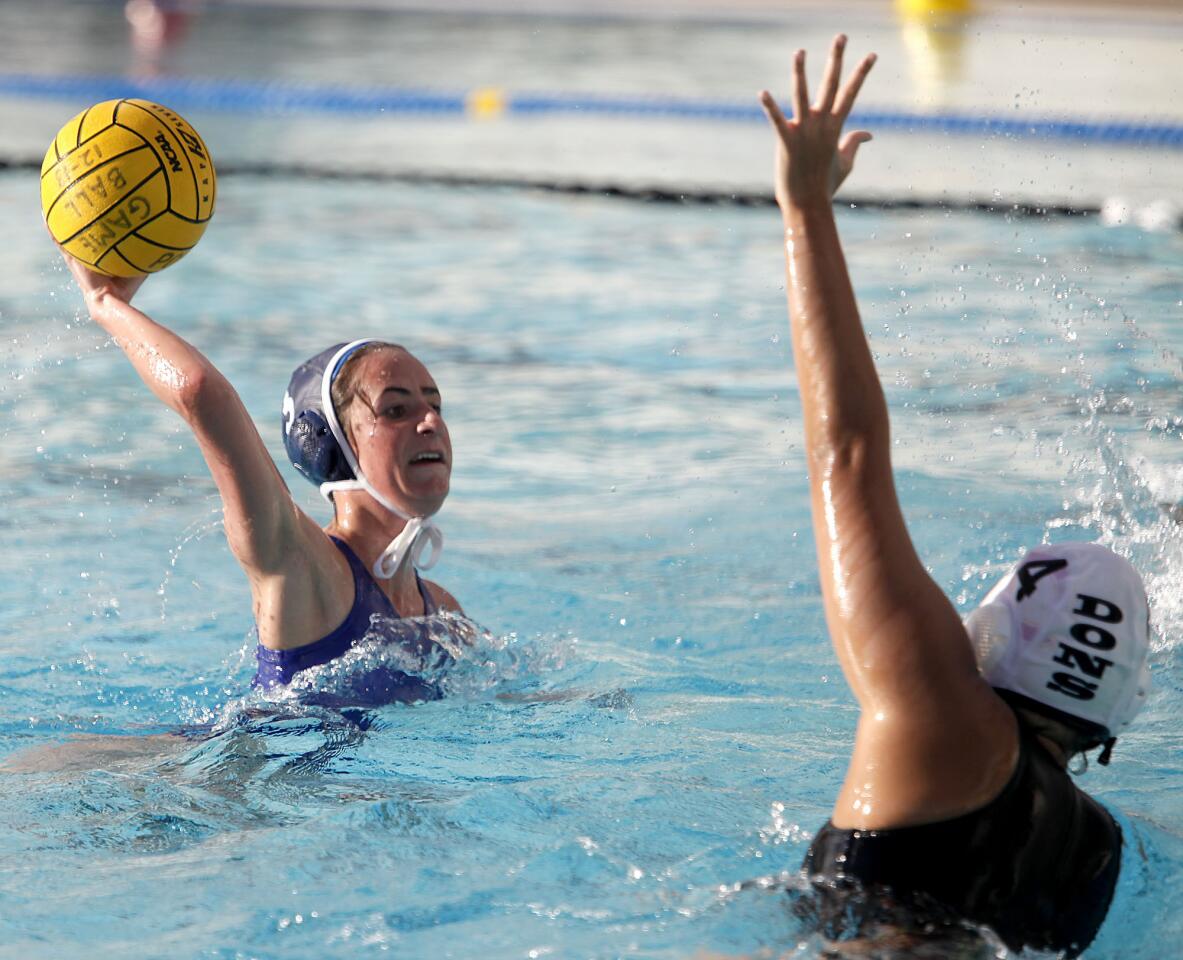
(127, 187)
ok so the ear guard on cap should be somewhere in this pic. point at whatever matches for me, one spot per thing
(1066, 633)
(314, 451)
(308, 437)
(989, 632)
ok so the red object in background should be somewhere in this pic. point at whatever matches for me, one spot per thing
(157, 25)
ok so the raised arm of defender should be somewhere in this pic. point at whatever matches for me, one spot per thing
(900, 642)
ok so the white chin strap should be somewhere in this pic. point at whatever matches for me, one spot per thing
(416, 536)
(419, 531)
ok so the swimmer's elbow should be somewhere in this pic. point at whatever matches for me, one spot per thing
(851, 449)
(201, 392)
(844, 462)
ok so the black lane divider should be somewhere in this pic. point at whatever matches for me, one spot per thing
(639, 193)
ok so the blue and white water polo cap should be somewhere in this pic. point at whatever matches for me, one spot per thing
(318, 447)
(1068, 628)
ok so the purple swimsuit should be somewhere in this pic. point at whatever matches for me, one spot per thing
(377, 685)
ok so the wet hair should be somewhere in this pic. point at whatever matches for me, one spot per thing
(1076, 739)
(345, 384)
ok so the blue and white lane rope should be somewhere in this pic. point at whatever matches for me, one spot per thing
(261, 97)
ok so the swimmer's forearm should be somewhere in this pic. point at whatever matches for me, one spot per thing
(173, 369)
(840, 391)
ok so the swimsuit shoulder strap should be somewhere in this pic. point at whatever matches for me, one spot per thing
(429, 605)
(366, 592)
(347, 551)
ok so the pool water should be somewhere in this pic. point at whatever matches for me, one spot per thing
(650, 715)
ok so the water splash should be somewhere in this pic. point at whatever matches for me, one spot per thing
(452, 656)
(455, 655)
(1121, 493)
(195, 531)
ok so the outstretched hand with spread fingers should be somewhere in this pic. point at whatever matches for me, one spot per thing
(810, 162)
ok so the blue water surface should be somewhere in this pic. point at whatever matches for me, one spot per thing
(649, 715)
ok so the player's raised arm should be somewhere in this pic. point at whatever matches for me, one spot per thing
(874, 584)
(260, 516)
(957, 809)
(901, 644)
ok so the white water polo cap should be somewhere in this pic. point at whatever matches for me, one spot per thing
(1067, 632)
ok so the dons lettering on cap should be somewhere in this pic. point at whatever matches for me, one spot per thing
(1088, 633)
(1085, 666)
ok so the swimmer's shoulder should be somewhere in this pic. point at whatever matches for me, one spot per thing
(443, 599)
(308, 595)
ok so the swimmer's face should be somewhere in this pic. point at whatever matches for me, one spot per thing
(397, 429)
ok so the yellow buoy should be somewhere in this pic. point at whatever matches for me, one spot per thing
(924, 9)
(486, 103)
(934, 32)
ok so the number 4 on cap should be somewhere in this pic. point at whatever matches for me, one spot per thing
(1032, 572)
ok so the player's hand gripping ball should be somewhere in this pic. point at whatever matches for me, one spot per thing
(127, 187)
